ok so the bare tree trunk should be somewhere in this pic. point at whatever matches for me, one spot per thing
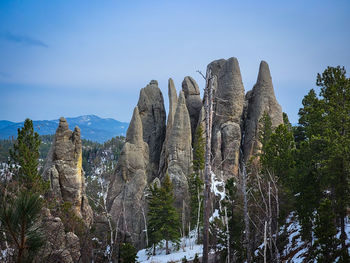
(245, 214)
(265, 241)
(228, 237)
(146, 230)
(207, 172)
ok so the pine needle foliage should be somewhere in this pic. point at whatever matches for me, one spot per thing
(20, 221)
(163, 218)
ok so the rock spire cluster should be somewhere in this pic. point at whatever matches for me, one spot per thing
(157, 145)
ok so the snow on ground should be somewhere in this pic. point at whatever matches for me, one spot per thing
(189, 251)
(217, 187)
(296, 246)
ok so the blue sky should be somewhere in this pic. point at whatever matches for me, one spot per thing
(70, 58)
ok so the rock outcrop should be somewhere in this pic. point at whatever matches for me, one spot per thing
(163, 164)
(228, 108)
(259, 100)
(153, 150)
(59, 246)
(63, 169)
(126, 197)
(153, 116)
(180, 152)
(193, 101)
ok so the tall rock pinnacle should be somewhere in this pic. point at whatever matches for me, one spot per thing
(63, 169)
(153, 116)
(180, 152)
(125, 197)
(163, 163)
(193, 101)
(228, 101)
(261, 99)
(134, 133)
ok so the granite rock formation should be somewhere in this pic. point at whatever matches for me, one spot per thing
(153, 116)
(63, 169)
(126, 197)
(259, 100)
(153, 150)
(180, 152)
(193, 101)
(228, 108)
(59, 246)
(163, 164)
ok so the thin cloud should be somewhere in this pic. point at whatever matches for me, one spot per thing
(23, 39)
(4, 75)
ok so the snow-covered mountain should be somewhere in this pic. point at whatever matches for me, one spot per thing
(92, 127)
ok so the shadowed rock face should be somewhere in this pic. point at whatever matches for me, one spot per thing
(261, 99)
(152, 113)
(163, 164)
(125, 198)
(228, 108)
(59, 246)
(180, 152)
(64, 170)
(193, 101)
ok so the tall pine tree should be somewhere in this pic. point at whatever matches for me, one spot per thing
(195, 180)
(25, 154)
(163, 219)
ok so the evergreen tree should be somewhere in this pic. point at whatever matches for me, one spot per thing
(25, 153)
(325, 231)
(127, 253)
(19, 219)
(323, 152)
(195, 182)
(164, 220)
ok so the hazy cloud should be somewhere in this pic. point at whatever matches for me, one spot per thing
(4, 75)
(23, 39)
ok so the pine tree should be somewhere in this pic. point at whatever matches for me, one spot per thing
(164, 220)
(19, 219)
(25, 153)
(325, 231)
(128, 253)
(195, 182)
(323, 152)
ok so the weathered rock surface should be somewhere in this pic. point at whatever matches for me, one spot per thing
(153, 150)
(163, 164)
(126, 198)
(261, 99)
(193, 101)
(228, 108)
(180, 152)
(59, 246)
(152, 113)
(63, 169)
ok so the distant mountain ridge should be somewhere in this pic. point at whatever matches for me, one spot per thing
(92, 127)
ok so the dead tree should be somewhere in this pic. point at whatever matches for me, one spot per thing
(208, 106)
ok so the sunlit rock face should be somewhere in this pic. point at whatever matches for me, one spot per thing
(63, 169)
(228, 108)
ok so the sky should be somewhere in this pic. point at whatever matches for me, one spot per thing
(71, 58)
